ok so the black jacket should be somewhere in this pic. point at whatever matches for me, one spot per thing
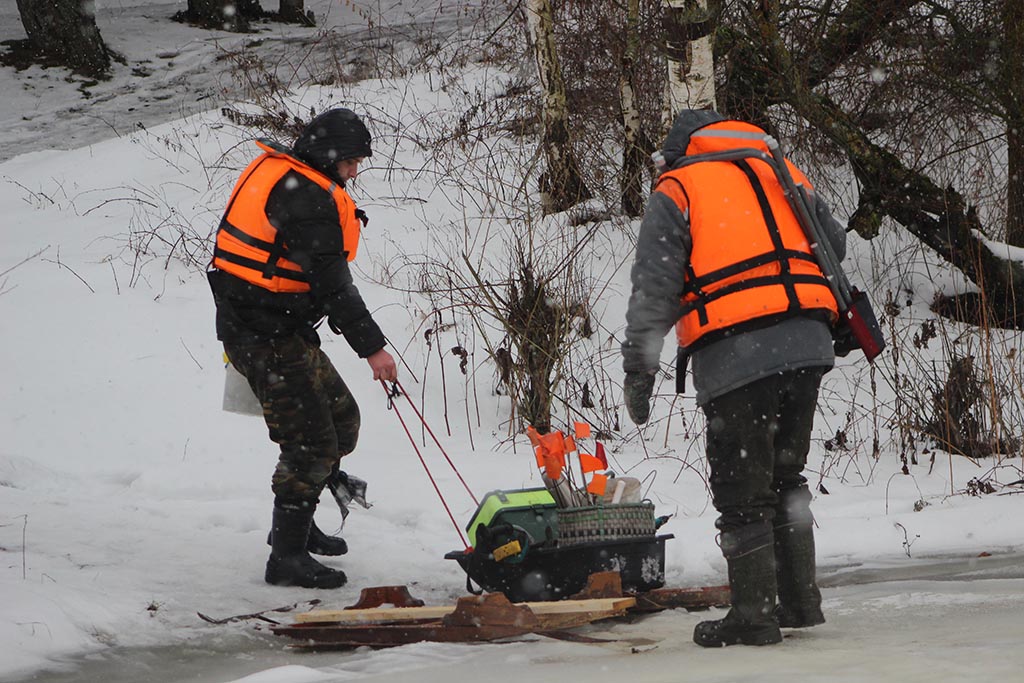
(307, 218)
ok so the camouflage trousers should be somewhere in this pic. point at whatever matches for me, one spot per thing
(309, 411)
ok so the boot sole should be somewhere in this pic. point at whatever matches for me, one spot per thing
(803, 624)
(765, 636)
(323, 577)
(327, 583)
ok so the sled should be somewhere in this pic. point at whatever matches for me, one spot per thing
(386, 616)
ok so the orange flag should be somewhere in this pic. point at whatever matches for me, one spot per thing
(550, 451)
(598, 485)
(553, 443)
(582, 430)
(591, 464)
(570, 444)
(553, 464)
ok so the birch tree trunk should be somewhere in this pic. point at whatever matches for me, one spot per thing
(66, 31)
(633, 145)
(562, 184)
(689, 26)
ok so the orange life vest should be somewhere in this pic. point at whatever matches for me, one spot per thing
(750, 261)
(250, 248)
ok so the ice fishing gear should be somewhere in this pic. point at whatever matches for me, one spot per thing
(856, 316)
(855, 309)
(543, 543)
(529, 548)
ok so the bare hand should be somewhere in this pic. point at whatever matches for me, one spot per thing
(383, 366)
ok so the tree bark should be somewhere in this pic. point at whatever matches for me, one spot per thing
(689, 26)
(634, 156)
(294, 11)
(939, 217)
(860, 23)
(1013, 104)
(65, 30)
(227, 15)
(562, 183)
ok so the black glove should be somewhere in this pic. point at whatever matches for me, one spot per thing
(843, 340)
(637, 389)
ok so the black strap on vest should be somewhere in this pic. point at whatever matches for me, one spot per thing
(773, 232)
(277, 250)
(268, 271)
(245, 237)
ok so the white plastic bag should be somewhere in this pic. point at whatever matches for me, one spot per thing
(238, 395)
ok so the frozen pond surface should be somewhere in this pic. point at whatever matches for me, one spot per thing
(958, 620)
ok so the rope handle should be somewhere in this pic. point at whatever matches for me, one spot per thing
(392, 393)
(398, 390)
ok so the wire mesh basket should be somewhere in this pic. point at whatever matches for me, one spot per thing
(620, 522)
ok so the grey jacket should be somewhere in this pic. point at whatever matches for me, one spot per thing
(658, 278)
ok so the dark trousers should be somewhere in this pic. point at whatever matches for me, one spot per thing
(758, 437)
(308, 409)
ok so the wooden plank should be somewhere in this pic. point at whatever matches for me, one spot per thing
(374, 614)
(686, 598)
(385, 635)
(575, 608)
(590, 605)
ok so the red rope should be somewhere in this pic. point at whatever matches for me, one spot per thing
(424, 463)
(431, 432)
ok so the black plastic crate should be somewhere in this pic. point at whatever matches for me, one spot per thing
(553, 572)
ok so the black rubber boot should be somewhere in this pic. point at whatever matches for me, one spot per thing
(289, 563)
(319, 543)
(799, 597)
(751, 559)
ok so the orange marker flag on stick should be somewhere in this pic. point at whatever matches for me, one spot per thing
(550, 450)
(553, 443)
(591, 464)
(582, 430)
(598, 485)
(570, 444)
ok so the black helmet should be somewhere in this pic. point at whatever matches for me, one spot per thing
(334, 136)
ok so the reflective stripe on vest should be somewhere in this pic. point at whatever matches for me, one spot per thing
(750, 259)
(249, 247)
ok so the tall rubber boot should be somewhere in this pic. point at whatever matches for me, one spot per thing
(289, 563)
(319, 543)
(799, 597)
(750, 555)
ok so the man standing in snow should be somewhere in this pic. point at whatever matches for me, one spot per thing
(721, 256)
(280, 266)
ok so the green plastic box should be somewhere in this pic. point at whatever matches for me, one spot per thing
(532, 510)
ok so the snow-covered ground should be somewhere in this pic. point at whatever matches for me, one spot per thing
(129, 501)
